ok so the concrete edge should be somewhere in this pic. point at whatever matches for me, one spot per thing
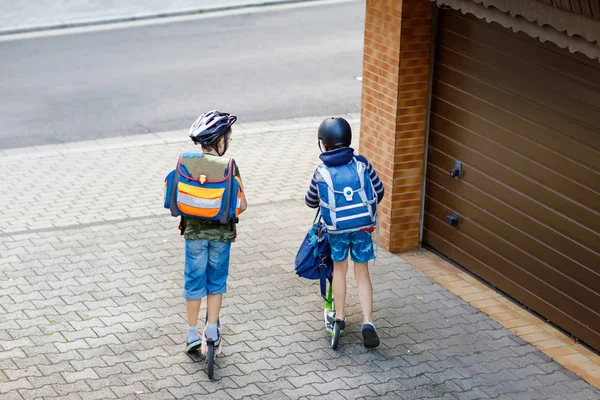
(149, 139)
(156, 15)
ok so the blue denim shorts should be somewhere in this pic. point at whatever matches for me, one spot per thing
(359, 244)
(206, 268)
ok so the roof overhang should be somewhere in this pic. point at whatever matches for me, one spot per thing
(577, 33)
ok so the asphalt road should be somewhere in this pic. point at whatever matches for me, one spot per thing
(269, 65)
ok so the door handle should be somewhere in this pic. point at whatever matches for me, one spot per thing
(456, 172)
(452, 219)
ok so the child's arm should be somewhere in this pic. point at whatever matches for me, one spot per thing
(312, 196)
(243, 203)
(377, 184)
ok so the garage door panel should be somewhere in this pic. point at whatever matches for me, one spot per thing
(524, 119)
(509, 272)
(437, 171)
(529, 267)
(462, 257)
(521, 193)
(575, 150)
(498, 71)
(556, 171)
(516, 237)
(519, 106)
(570, 69)
(551, 183)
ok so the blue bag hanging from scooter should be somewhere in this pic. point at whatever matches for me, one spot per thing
(313, 260)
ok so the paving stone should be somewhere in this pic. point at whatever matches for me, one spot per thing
(142, 376)
(194, 389)
(89, 363)
(133, 389)
(40, 359)
(275, 385)
(156, 386)
(71, 388)
(108, 382)
(105, 393)
(245, 391)
(46, 380)
(304, 391)
(8, 387)
(331, 386)
(85, 374)
(307, 379)
(43, 392)
(15, 374)
(63, 366)
(550, 390)
(393, 385)
(529, 394)
(174, 370)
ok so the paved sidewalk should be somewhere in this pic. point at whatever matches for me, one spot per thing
(118, 178)
(31, 15)
(94, 311)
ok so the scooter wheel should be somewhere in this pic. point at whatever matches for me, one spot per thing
(335, 338)
(210, 358)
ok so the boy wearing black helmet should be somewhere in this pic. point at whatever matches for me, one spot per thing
(347, 189)
(208, 242)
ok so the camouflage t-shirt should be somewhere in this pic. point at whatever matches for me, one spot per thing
(209, 230)
(200, 229)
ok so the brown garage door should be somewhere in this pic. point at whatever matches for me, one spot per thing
(524, 119)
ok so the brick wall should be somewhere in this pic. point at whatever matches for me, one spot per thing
(394, 111)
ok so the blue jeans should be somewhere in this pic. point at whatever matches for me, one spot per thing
(359, 244)
(206, 268)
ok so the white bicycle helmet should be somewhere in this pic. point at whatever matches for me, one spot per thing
(210, 127)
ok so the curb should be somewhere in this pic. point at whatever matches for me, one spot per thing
(142, 17)
(158, 138)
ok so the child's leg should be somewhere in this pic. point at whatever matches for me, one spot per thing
(192, 308)
(365, 290)
(213, 307)
(340, 246)
(196, 258)
(216, 282)
(361, 252)
(340, 269)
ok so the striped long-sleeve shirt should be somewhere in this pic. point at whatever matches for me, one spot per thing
(340, 157)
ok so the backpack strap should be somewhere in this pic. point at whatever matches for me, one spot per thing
(225, 217)
(173, 194)
(322, 258)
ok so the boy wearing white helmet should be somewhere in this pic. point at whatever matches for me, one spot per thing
(208, 242)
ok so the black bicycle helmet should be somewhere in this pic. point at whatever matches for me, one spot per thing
(210, 127)
(335, 133)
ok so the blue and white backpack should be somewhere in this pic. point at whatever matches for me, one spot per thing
(347, 198)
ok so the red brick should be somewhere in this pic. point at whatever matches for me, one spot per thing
(410, 127)
(413, 39)
(411, 63)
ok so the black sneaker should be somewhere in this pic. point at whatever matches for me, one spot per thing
(370, 338)
(193, 346)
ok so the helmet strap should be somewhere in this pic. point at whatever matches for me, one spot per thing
(225, 144)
